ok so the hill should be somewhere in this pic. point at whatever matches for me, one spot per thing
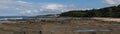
(113, 11)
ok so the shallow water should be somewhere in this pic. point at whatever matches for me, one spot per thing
(90, 30)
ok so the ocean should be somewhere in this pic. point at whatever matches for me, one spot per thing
(5, 18)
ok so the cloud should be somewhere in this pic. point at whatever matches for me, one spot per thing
(54, 6)
(46, 8)
(29, 8)
(112, 2)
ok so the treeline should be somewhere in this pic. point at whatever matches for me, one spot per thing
(113, 11)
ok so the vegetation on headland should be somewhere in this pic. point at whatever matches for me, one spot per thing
(113, 11)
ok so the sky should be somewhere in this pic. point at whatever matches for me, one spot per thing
(43, 7)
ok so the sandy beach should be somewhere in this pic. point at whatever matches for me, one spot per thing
(107, 19)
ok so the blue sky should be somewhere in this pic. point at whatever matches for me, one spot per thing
(42, 7)
(79, 3)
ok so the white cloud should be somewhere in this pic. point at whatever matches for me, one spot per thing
(53, 6)
(21, 2)
(112, 2)
(30, 8)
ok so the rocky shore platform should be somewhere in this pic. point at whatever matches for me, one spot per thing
(71, 26)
